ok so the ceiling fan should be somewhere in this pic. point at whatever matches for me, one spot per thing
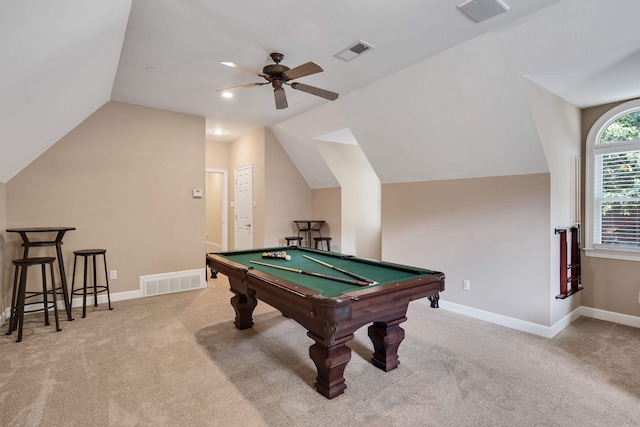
(279, 75)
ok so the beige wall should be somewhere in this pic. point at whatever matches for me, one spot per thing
(558, 124)
(244, 151)
(609, 284)
(491, 231)
(288, 196)
(361, 198)
(217, 155)
(280, 193)
(4, 262)
(326, 204)
(124, 178)
(214, 208)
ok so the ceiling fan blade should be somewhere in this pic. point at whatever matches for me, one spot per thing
(332, 96)
(303, 70)
(231, 89)
(281, 98)
(243, 68)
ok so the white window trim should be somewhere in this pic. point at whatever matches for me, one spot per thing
(592, 138)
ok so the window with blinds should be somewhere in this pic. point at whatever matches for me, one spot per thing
(616, 183)
(617, 198)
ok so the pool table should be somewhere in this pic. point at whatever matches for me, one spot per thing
(329, 309)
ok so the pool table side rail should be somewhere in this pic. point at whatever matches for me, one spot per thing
(395, 266)
(285, 284)
(284, 248)
(347, 312)
(225, 264)
(231, 268)
(409, 284)
(420, 280)
(313, 306)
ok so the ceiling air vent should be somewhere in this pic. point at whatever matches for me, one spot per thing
(353, 51)
(481, 10)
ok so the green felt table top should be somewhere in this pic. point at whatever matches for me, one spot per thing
(381, 272)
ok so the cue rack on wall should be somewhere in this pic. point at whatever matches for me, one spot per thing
(569, 271)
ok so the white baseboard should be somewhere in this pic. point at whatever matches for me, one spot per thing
(564, 322)
(77, 301)
(610, 316)
(499, 319)
(102, 298)
(537, 329)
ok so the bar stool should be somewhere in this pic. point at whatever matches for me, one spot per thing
(296, 239)
(20, 294)
(320, 240)
(86, 253)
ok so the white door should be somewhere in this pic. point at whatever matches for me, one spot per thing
(216, 210)
(244, 208)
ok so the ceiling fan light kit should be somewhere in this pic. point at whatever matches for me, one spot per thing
(278, 75)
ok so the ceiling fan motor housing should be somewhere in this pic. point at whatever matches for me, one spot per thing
(277, 57)
(275, 71)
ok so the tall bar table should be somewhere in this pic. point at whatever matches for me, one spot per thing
(57, 242)
(308, 226)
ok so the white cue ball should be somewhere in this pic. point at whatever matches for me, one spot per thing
(288, 257)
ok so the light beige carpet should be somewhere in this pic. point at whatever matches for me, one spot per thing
(177, 360)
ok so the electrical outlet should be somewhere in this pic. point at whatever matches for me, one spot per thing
(113, 274)
(466, 284)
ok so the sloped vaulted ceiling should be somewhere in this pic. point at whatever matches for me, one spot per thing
(464, 112)
(461, 114)
(439, 97)
(59, 61)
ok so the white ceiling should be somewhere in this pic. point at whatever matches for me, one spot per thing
(58, 61)
(62, 60)
(186, 40)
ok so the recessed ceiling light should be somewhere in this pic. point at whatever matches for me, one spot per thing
(227, 94)
(152, 69)
(218, 132)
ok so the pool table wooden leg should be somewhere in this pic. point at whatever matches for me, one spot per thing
(243, 305)
(330, 363)
(434, 301)
(386, 338)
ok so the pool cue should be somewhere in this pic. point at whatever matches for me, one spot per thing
(348, 273)
(311, 273)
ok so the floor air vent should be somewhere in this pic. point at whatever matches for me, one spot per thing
(166, 283)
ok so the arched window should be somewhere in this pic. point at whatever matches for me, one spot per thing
(613, 184)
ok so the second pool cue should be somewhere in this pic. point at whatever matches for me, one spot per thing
(311, 273)
(347, 272)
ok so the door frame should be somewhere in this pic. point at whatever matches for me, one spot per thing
(225, 206)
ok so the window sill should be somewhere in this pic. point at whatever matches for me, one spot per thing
(619, 254)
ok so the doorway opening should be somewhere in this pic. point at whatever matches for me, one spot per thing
(217, 231)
